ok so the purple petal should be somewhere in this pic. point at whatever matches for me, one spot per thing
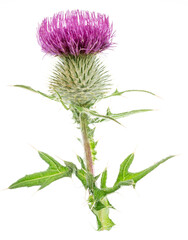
(75, 32)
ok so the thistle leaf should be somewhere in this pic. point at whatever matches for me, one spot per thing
(121, 115)
(90, 181)
(43, 179)
(101, 211)
(101, 193)
(117, 93)
(87, 179)
(124, 175)
(50, 160)
(99, 205)
(139, 175)
(96, 114)
(97, 177)
(71, 166)
(81, 175)
(126, 114)
(113, 189)
(98, 193)
(61, 101)
(124, 167)
(52, 97)
(103, 179)
(81, 161)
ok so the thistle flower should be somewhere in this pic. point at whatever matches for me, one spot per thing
(79, 80)
(75, 32)
(75, 37)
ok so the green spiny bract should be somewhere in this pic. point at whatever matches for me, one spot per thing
(80, 80)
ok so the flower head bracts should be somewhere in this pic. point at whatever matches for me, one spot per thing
(75, 32)
(80, 80)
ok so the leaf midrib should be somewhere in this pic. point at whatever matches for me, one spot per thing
(29, 180)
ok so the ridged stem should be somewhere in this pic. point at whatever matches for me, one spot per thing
(87, 148)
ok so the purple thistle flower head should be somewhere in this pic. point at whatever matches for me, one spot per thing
(75, 32)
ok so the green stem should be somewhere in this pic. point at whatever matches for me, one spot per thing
(103, 220)
(87, 148)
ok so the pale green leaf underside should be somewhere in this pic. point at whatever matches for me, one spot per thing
(44, 178)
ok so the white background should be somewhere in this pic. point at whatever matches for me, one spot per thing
(152, 54)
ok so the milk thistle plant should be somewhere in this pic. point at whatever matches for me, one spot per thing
(79, 81)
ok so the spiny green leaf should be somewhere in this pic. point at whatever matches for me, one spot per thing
(117, 93)
(52, 97)
(97, 177)
(50, 160)
(108, 204)
(61, 101)
(81, 175)
(71, 166)
(108, 112)
(124, 175)
(93, 145)
(87, 179)
(124, 168)
(128, 182)
(96, 114)
(102, 215)
(120, 115)
(81, 161)
(100, 193)
(98, 205)
(139, 175)
(90, 180)
(103, 179)
(126, 114)
(43, 179)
